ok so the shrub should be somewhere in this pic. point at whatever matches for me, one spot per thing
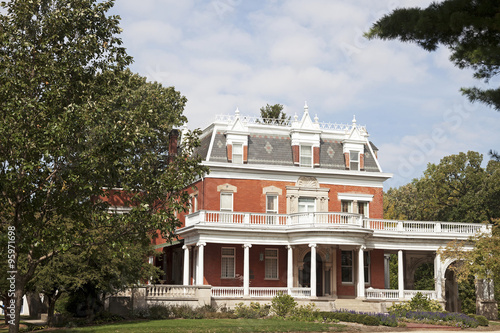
(371, 319)
(419, 302)
(307, 312)
(253, 311)
(159, 311)
(481, 320)
(186, 312)
(282, 305)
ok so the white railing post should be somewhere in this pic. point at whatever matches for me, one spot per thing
(202, 216)
(400, 226)
(246, 218)
(437, 227)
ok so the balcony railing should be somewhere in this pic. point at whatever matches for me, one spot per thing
(335, 219)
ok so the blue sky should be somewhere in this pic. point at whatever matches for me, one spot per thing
(224, 54)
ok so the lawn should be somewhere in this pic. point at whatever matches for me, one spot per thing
(210, 325)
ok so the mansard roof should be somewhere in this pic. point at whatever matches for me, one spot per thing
(270, 141)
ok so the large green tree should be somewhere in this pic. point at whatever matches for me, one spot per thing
(457, 189)
(75, 124)
(469, 29)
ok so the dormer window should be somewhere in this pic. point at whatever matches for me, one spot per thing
(354, 160)
(237, 153)
(305, 156)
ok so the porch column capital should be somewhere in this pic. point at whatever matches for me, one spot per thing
(289, 247)
(313, 245)
(200, 244)
(362, 247)
(246, 245)
(186, 247)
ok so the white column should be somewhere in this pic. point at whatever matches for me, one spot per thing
(437, 277)
(313, 270)
(361, 272)
(401, 281)
(289, 273)
(246, 269)
(201, 263)
(186, 265)
(387, 276)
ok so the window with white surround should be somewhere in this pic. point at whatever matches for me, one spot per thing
(271, 262)
(346, 267)
(226, 201)
(237, 153)
(354, 160)
(366, 263)
(306, 156)
(346, 206)
(363, 208)
(271, 208)
(227, 263)
(307, 205)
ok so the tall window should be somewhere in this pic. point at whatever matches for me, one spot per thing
(226, 206)
(306, 156)
(354, 160)
(271, 264)
(306, 205)
(195, 203)
(363, 208)
(346, 266)
(227, 263)
(226, 201)
(346, 206)
(367, 266)
(237, 153)
(271, 208)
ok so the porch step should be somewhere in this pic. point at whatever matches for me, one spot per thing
(357, 305)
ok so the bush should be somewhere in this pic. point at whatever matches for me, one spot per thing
(481, 320)
(159, 311)
(253, 311)
(307, 312)
(283, 305)
(419, 302)
(370, 319)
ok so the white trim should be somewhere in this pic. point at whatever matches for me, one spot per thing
(212, 140)
(355, 196)
(373, 154)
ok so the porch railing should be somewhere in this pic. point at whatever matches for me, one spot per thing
(393, 294)
(170, 291)
(335, 219)
(256, 292)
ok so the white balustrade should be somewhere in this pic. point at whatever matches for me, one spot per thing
(336, 218)
(409, 294)
(227, 291)
(266, 291)
(301, 292)
(381, 293)
(170, 291)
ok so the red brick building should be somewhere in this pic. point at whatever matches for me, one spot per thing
(296, 207)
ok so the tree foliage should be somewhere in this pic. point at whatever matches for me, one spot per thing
(469, 29)
(74, 124)
(457, 189)
(272, 113)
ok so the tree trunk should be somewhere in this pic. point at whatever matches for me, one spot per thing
(14, 308)
(35, 305)
(52, 299)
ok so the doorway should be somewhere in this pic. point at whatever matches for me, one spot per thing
(305, 273)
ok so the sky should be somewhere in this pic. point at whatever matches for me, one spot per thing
(228, 54)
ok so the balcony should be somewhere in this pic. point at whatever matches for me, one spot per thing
(334, 220)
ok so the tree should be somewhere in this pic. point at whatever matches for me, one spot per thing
(469, 29)
(457, 189)
(273, 113)
(75, 124)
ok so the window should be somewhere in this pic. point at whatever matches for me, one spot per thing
(346, 266)
(271, 208)
(367, 266)
(363, 208)
(354, 160)
(271, 264)
(226, 201)
(227, 263)
(346, 206)
(195, 203)
(306, 205)
(306, 156)
(226, 205)
(237, 153)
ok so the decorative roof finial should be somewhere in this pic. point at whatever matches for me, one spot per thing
(316, 119)
(306, 108)
(295, 118)
(354, 120)
(237, 112)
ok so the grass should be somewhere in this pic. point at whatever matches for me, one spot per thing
(209, 325)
